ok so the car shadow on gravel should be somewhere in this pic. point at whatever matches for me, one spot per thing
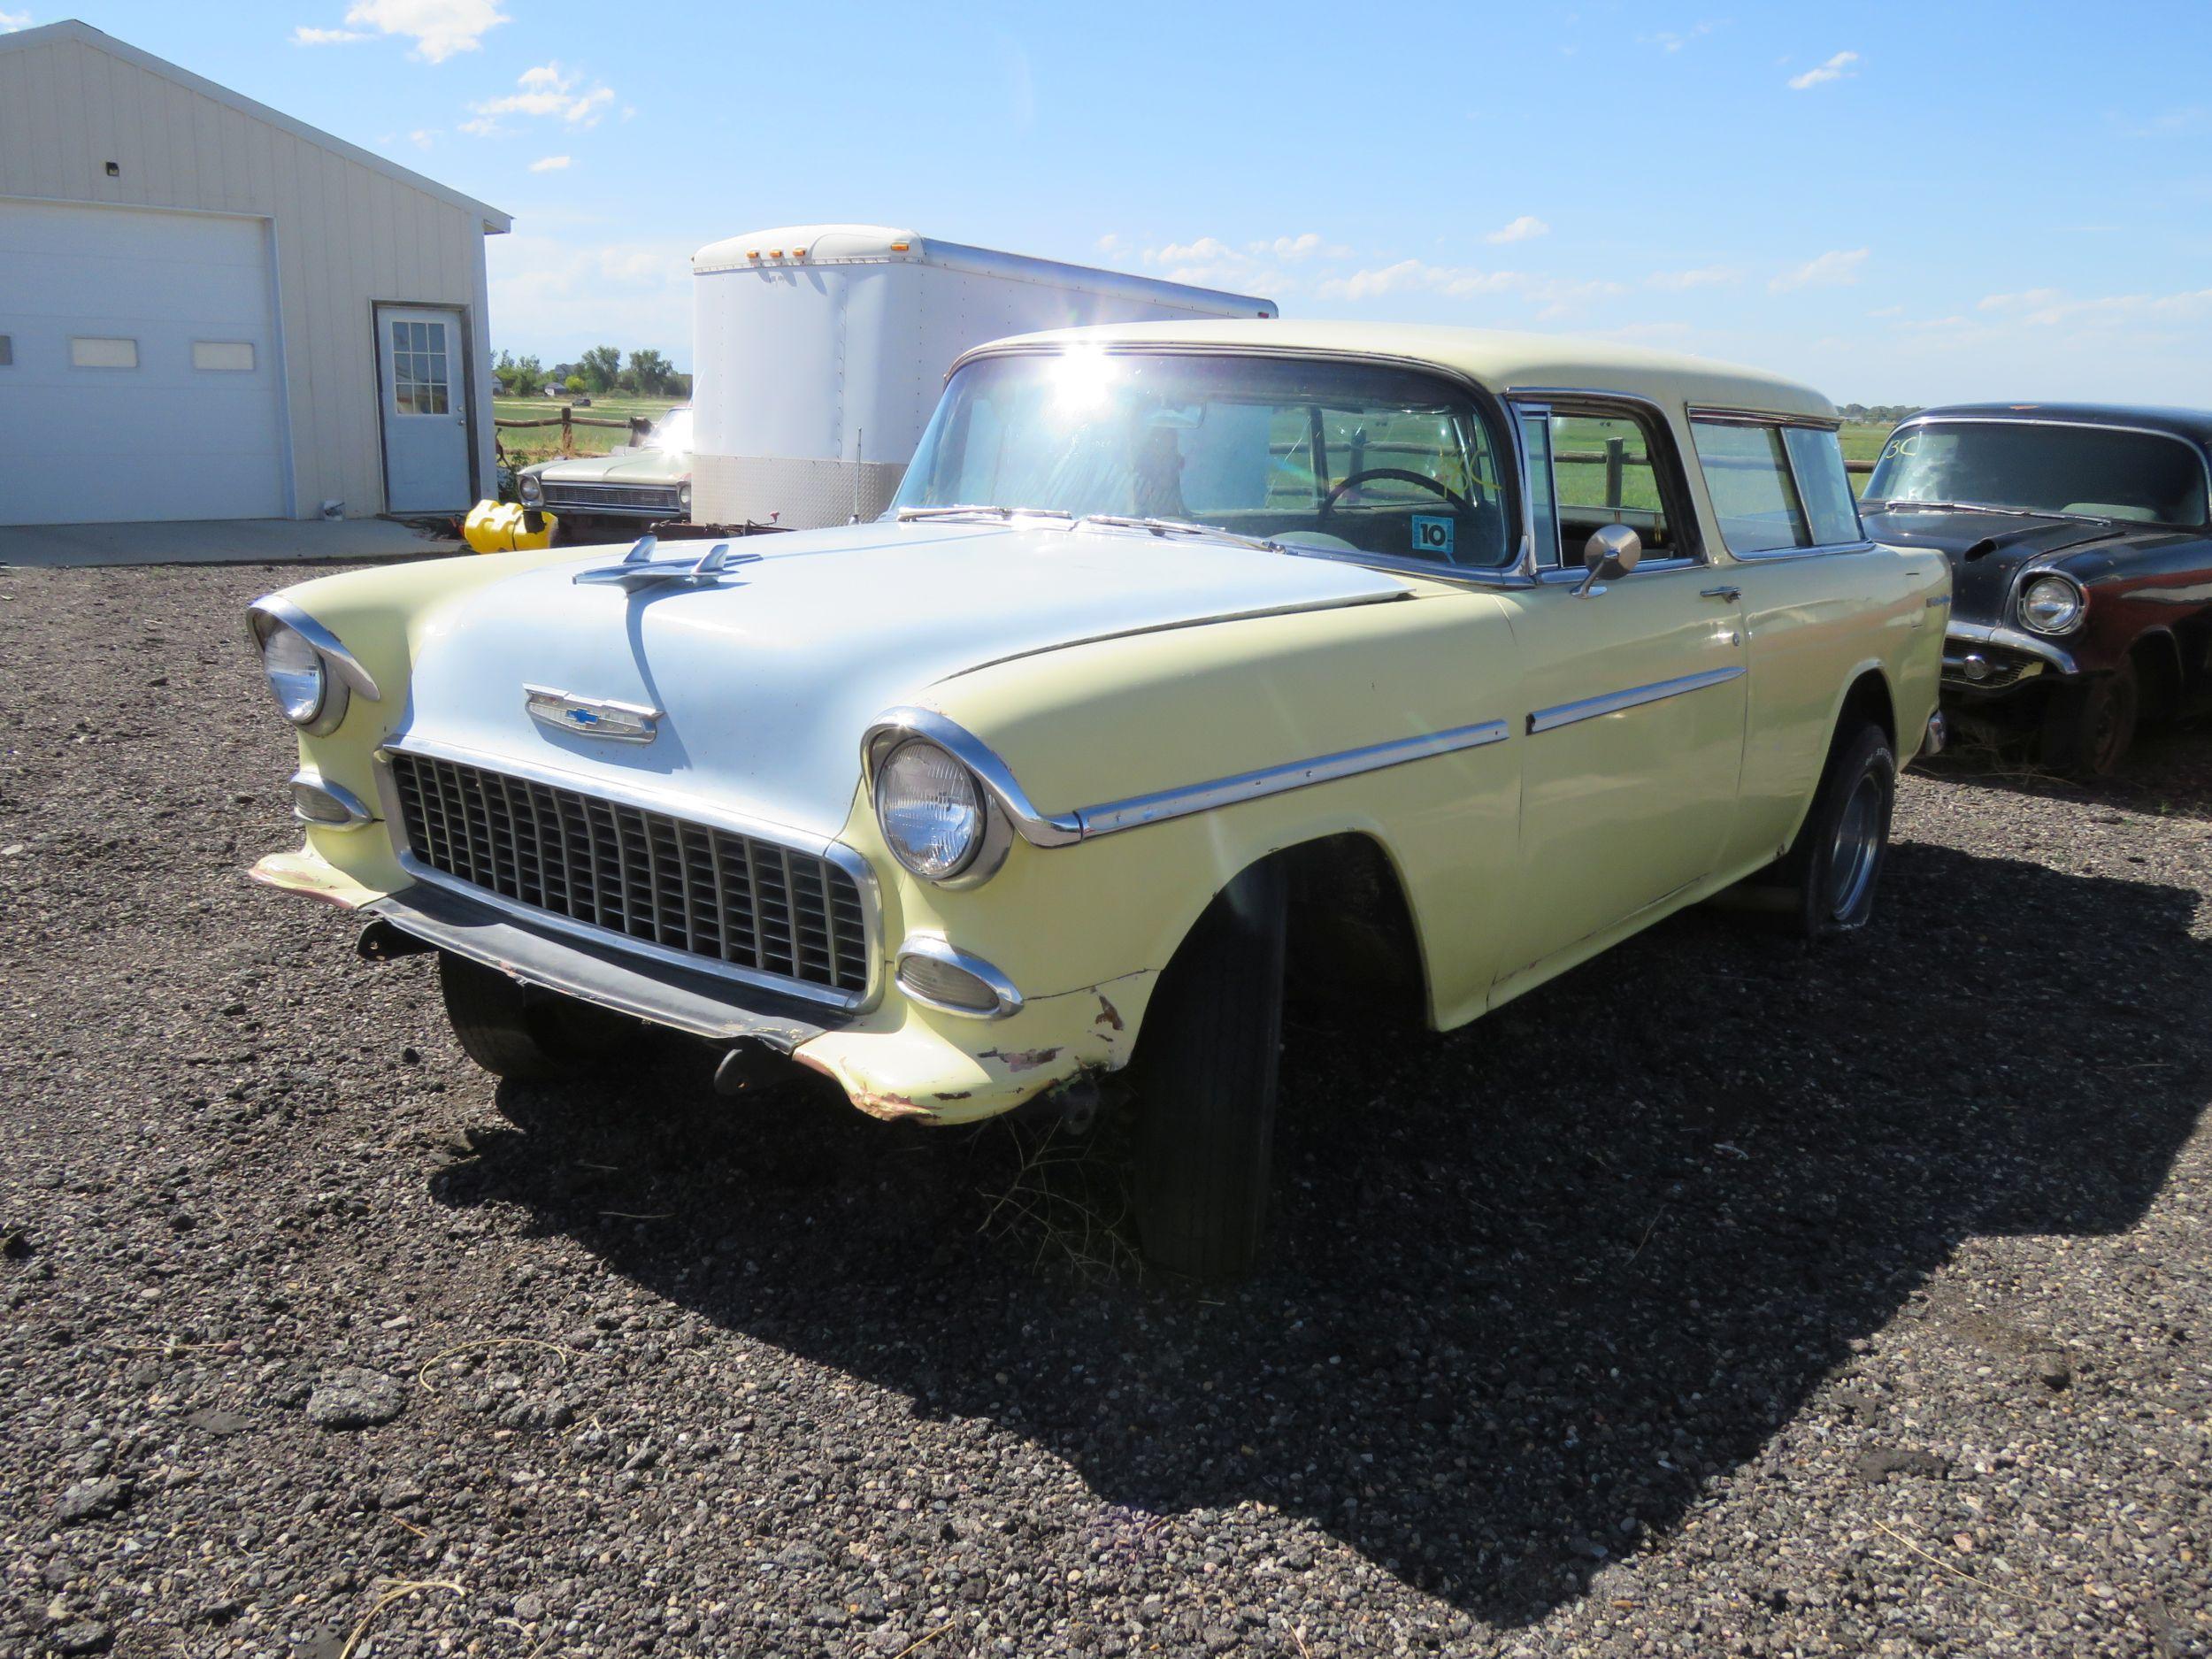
(1534, 1283)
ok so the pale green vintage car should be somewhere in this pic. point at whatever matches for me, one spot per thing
(1194, 661)
(609, 497)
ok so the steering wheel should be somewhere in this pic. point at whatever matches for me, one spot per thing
(1458, 501)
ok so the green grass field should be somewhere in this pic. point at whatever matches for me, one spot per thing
(536, 443)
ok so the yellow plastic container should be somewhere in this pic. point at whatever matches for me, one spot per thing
(497, 526)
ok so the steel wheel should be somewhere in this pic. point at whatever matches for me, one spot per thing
(1855, 852)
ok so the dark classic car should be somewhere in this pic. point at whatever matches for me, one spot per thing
(2081, 559)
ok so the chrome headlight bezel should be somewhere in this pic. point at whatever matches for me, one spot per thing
(2054, 623)
(530, 489)
(340, 674)
(986, 846)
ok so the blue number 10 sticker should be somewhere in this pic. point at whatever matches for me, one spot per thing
(1432, 536)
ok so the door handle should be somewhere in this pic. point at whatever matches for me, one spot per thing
(1727, 595)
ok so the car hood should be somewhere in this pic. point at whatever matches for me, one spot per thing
(621, 466)
(1988, 549)
(768, 679)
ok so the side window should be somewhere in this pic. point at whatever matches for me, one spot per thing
(1543, 509)
(1823, 484)
(1747, 475)
(1607, 469)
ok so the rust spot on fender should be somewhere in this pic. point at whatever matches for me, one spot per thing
(889, 1108)
(1021, 1059)
(1107, 1014)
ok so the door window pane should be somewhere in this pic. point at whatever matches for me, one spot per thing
(88, 351)
(1748, 478)
(1543, 509)
(420, 382)
(1604, 472)
(1823, 485)
(229, 356)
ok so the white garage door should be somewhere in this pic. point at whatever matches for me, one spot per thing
(139, 372)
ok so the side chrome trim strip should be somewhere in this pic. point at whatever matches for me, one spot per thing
(277, 608)
(1590, 708)
(1254, 786)
(1061, 829)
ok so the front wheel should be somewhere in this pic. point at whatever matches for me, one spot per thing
(2089, 725)
(516, 1032)
(1837, 862)
(1207, 1070)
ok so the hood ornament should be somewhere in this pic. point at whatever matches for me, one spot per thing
(639, 570)
(591, 717)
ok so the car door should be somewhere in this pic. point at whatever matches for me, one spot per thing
(1635, 690)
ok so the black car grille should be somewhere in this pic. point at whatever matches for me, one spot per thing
(684, 887)
(605, 498)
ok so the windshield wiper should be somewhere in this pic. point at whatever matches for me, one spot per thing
(1974, 506)
(976, 510)
(1180, 526)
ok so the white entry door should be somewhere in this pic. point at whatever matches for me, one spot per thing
(423, 371)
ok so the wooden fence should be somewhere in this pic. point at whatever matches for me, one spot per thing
(568, 420)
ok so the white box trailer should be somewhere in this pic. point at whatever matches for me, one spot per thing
(820, 350)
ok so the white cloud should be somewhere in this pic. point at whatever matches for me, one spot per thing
(1887, 310)
(2046, 308)
(1294, 249)
(305, 37)
(548, 91)
(1525, 228)
(438, 27)
(1555, 296)
(1837, 268)
(555, 296)
(1109, 243)
(1704, 277)
(1667, 41)
(11, 21)
(422, 138)
(1840, 67)
(548, 164)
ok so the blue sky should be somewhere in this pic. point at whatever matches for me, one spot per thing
(1898, 202)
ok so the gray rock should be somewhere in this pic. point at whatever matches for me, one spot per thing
(88, 1500)
(84, 1635)
(354, 1398)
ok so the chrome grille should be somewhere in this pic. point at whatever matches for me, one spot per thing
(684, 887)
(605, 497)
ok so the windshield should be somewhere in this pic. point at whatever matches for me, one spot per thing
(671, 431)
(2068, 472)
(1331, 457)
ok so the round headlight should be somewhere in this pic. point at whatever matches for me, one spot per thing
(2052, 604)
(297, 677)
(683, 494)
(531, 488)
(931, 810)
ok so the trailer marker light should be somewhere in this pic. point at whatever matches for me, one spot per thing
(752, 253)
(899, 247)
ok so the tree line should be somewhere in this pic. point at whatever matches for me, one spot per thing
(601, 369)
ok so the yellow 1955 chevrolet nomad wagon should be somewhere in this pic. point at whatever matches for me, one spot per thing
(1410, 654)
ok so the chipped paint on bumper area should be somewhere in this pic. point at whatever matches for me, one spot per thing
(901, 1065)
(900, 1062)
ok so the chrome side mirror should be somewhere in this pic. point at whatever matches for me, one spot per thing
(1612, 551)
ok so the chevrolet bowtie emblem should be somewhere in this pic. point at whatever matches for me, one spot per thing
(591, 716)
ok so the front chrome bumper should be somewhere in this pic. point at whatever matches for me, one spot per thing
(1979, 658)
(705, 1005)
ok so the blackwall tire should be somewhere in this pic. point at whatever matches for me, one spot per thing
(530, 1037)
(1835, 867)
(1208, 1065)
(2089, 727)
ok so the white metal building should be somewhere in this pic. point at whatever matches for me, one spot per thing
(209, 309)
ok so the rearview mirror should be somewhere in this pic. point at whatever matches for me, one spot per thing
(1612, 551)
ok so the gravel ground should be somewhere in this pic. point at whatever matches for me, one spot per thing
(1719, 1298)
